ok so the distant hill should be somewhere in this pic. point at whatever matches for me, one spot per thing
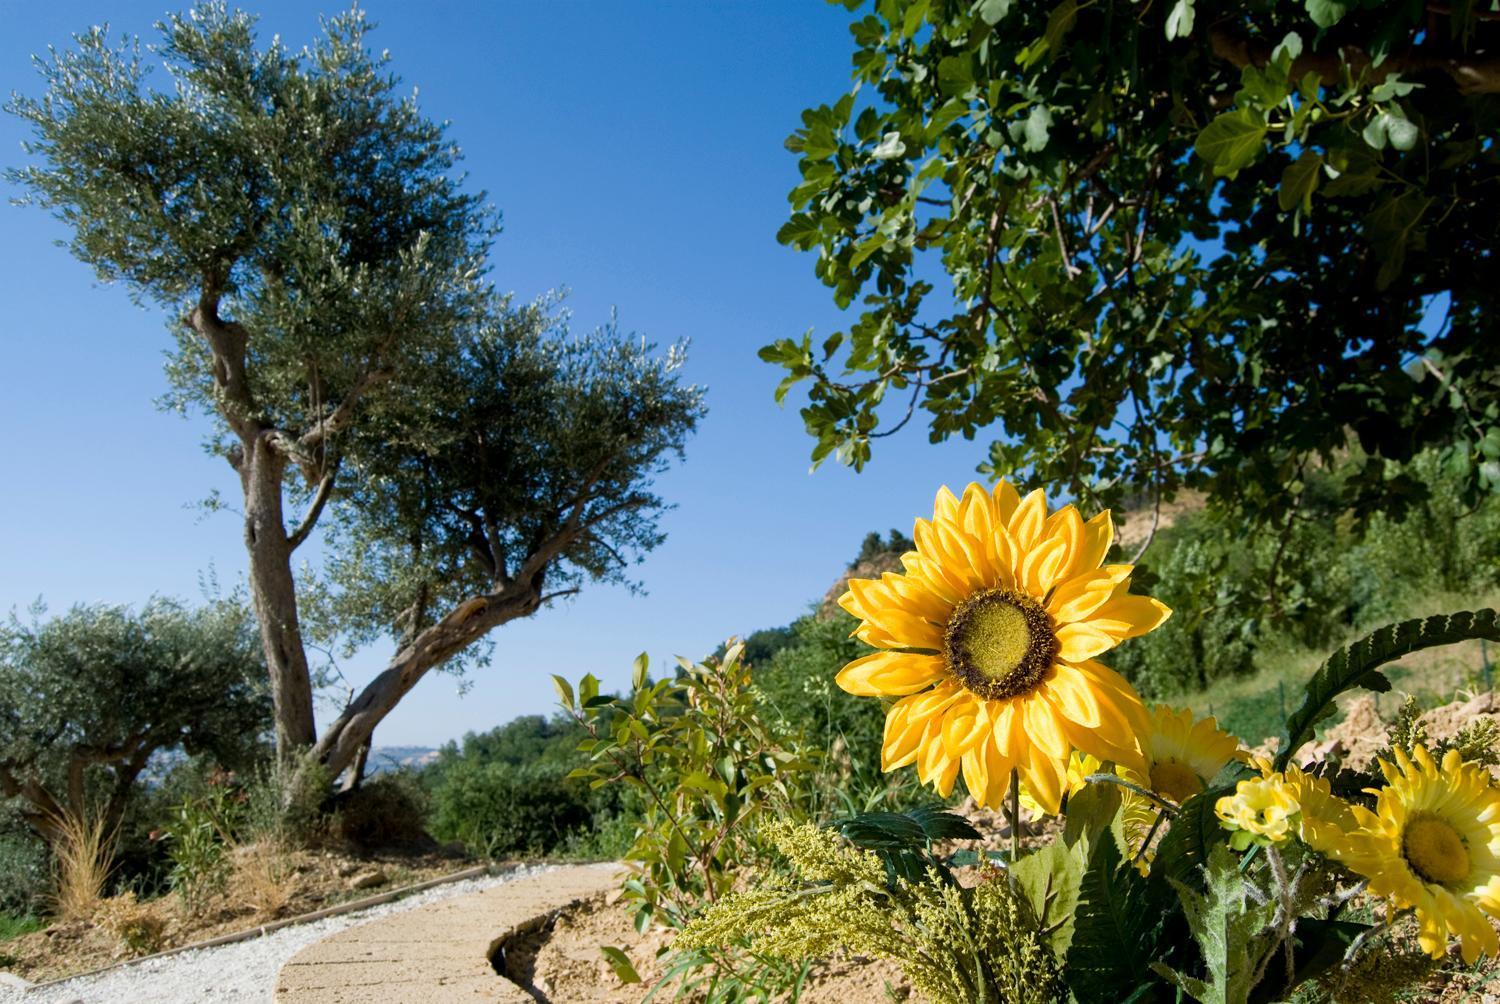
(389, 758)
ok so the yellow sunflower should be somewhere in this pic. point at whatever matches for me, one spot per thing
(990, 637)
(1433, 844)
(1182, 755)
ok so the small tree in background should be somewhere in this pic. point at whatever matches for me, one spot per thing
(87, 698)
(302, 224)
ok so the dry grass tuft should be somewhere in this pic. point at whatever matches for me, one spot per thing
(140, 927)
(265, 878)
(84, 856)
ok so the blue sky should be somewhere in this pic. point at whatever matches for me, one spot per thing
(635, 150)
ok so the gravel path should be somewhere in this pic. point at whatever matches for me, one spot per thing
(243, 973)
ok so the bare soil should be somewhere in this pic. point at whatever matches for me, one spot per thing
(312, 881)
(562, 962)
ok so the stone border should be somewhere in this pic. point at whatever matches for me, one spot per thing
(439, 953)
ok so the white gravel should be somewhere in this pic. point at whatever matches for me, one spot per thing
(243, 972)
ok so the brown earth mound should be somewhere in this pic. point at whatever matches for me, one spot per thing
(563, 963)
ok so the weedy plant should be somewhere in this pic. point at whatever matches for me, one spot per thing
(1185, 867)
(709, 769)
(199, 840)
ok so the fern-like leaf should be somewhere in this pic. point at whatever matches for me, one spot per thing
(1358, 666)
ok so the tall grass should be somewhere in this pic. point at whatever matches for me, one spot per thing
(84, 857)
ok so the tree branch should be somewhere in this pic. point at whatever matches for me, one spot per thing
(310, 518)
(1472, 75)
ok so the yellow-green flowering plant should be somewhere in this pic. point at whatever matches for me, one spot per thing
(1185, 869)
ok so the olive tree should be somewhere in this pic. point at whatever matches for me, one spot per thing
(1146, 246)
(87, 698)
(325, 270)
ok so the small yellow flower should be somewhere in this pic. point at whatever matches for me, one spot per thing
(1433, 844)
(1261, 810)
(989, 638)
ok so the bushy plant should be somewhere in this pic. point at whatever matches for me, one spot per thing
(957, 945)
(25, 872)
(709, 768)
(198, 839)
(497, 809)
(140, 927)
(506, 791)
(388, 811)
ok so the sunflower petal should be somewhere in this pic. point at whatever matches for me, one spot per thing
(891, 674)
(1025, 525)
(964, 725)
(1080, 642)
(1128, 616)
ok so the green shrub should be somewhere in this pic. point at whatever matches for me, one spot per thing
(25, 873)
(710, 769)
(387, 811)
(499, 809)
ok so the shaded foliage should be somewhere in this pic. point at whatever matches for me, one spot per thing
(1148, 248)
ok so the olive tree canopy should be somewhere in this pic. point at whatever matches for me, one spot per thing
(325, 270)
(1154, 245)
(88, 697)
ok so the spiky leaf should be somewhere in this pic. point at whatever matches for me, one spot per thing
(1357, 666)
(1119, 921)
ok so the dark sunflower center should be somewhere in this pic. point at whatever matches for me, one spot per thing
(999, 643)
(1435, 851)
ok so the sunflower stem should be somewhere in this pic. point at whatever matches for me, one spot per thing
(1015, 824)
(1161, 814)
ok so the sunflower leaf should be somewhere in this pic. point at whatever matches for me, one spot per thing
(1120, 919)
(938, 824)
(1195, 830)
(1231, 930)
(1357, 665)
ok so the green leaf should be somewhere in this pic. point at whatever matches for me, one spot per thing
(1227, 926)
(1326, 13)
(1118, 922)
(955, 74)
(638, 671)
(1180, 20)
(1050, 878)
(1090, 813)
(1401, 131)
(938, 824)
(1357, 665)
(991, 12)
(1232, 141)
(1060, 22)
(1194, 832)
(620, 963)
(564, 691)
(1038, 123)
(1298, 182)
(588, 688)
